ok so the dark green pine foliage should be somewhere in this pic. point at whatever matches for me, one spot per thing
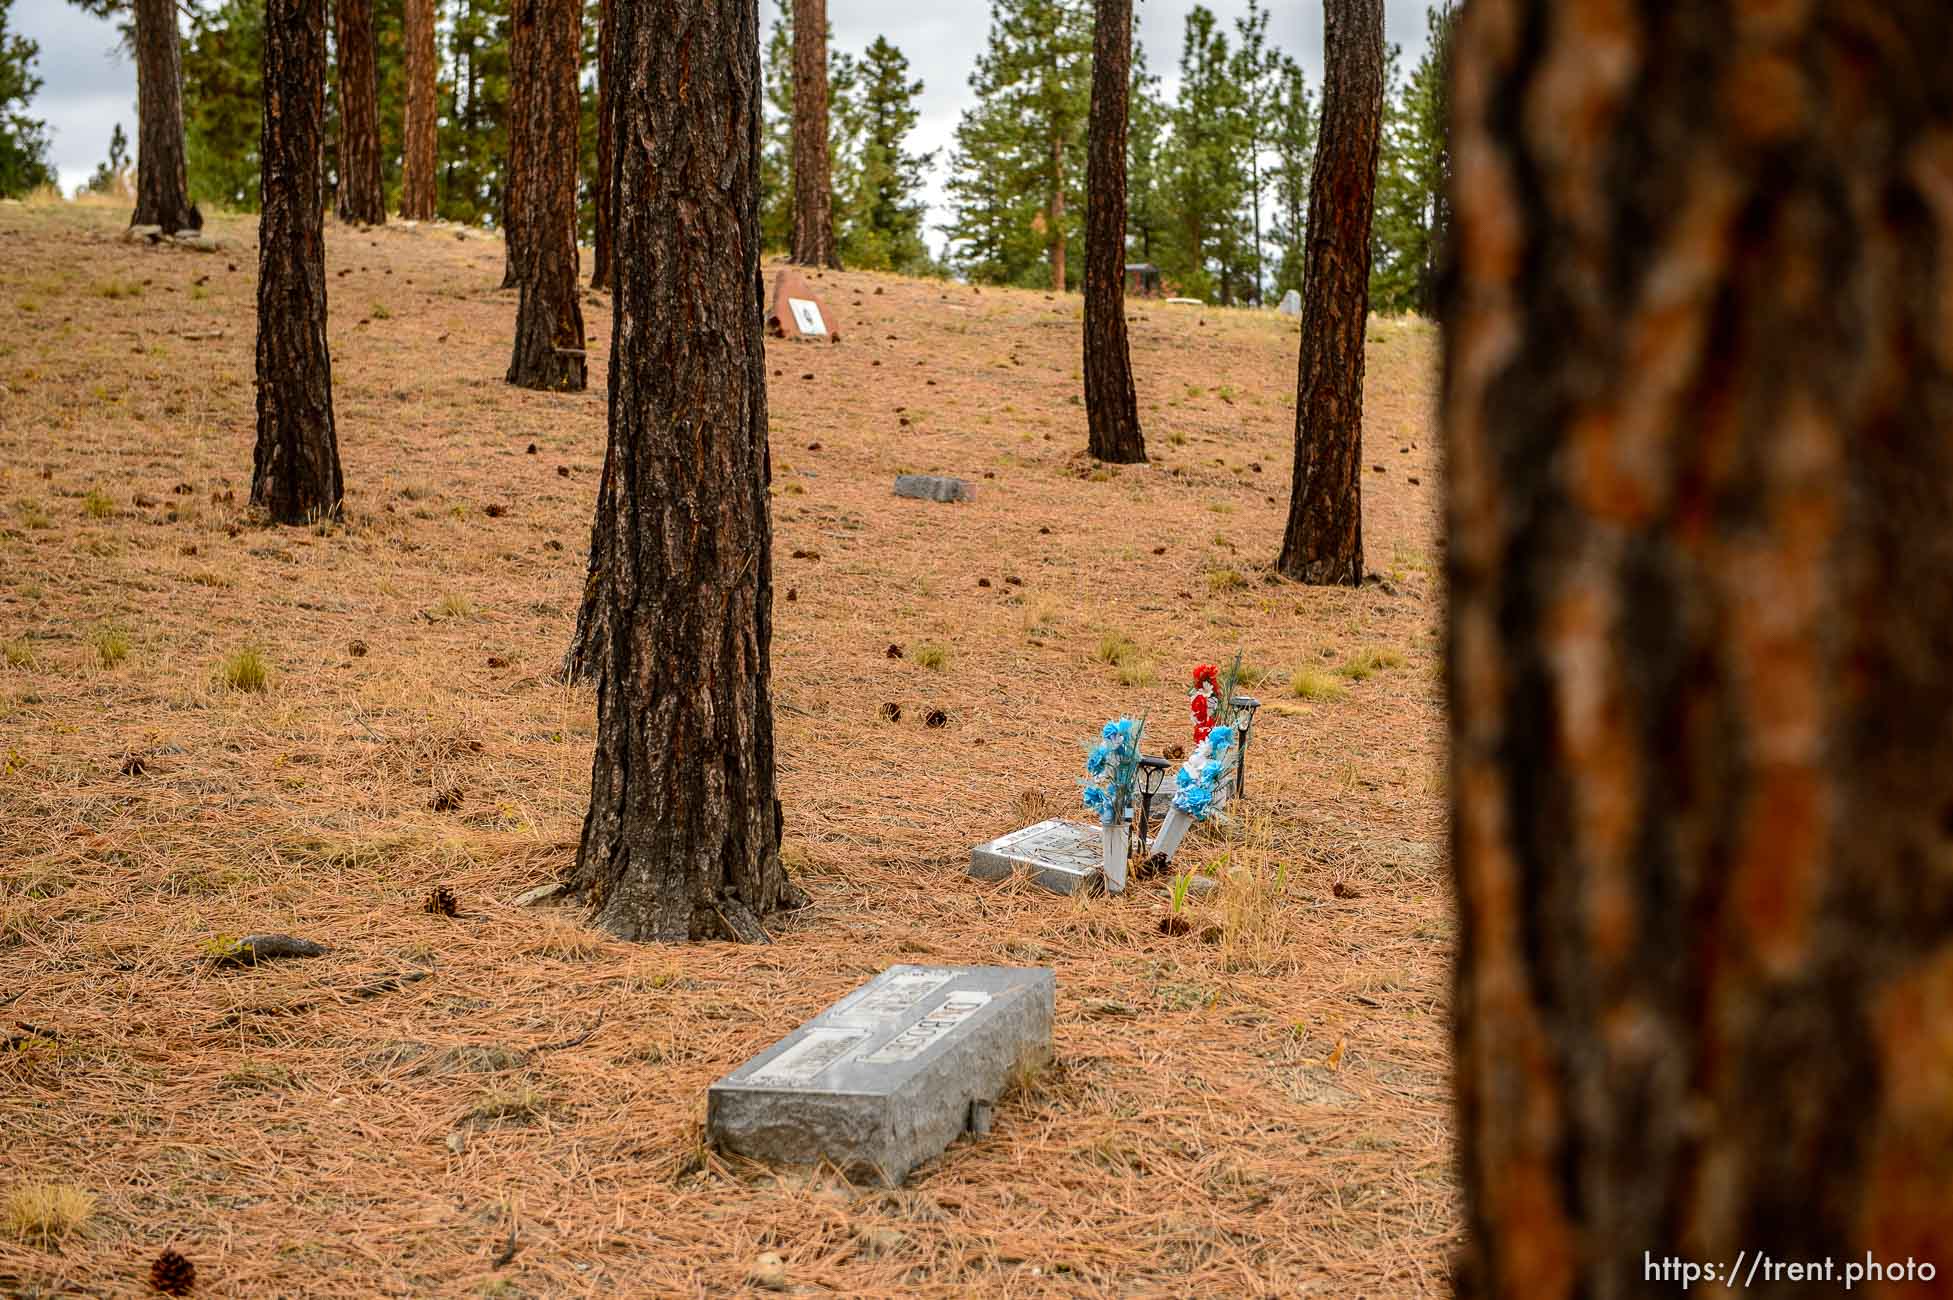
(880, 209)
(1292, 140)
(1016, 189)
(23, 139)
(1256, 68)
(1209, 250)
(114, 175)
(1146, 198)
(1412, 210)
(844, 124)
(474, 104)
(223, 58)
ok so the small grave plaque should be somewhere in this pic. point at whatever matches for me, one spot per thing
(1291, 305)
(933, 487)
(887, 1077)
(795, 311)
(1061, 856)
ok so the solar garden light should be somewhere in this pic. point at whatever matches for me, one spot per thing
(1244, 710)
(1151, 774)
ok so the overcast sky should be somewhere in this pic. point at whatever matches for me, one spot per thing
(91, 85)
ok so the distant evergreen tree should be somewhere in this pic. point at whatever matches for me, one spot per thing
(1413, 212)
(112, 177)
(1146, 198)
(1256, 69)
(881, 211)
(223, 64)
(1293, 141)
(23, 139)
(1016, 188)
(1209, 251)
(776, 131)
(1396, 237)
(474, 128)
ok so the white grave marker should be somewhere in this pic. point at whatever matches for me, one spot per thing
(807, 315)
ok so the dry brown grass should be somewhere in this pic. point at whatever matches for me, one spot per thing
(1265, 1114)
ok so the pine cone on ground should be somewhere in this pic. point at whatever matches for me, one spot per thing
(442, 902)
(172, 1274)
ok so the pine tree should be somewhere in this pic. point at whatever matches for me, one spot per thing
(1111, 408)
(474, 130)
(1208, 248)
(1323, 542)
(813, 170)
(223, 66)
(1017, 177)
(1293, 142)
(1397, 238)
(1146, 200)
(882, 209)
(419, 146)
(23, 140)
(162, 181)
(549, 339)
(1256, 69)
(776, 138)
(112, 177)
(361, 190)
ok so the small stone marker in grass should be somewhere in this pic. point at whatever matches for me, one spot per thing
(930, 487)
(797, 314)
(890, 1075)
(1058, 855)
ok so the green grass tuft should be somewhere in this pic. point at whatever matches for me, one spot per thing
(97, 505)
(931, 656)
(111, 645)
(1366, 664)
(244, 670)
(1307, 683)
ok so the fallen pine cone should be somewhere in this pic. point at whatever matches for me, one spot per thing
(1342, 890)
(894, 651)
(172, 1274)
(936, 718)
(446, 800)
(441, 902)
(892, 711)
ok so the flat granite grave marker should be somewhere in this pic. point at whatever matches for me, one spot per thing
(1291, 305)
(887, 1077)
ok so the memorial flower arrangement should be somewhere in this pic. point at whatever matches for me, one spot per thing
(1111, 767)
(1201, 782)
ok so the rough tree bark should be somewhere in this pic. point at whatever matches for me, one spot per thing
(1324, 539)
(295, 474)
(813, 182)
(1058, 214)
(549, 350)
(419, 162)
(604, 185)
(362, 196)
(521, 111)
(682, 840)
(1111, 406)
(1699, 416)
(162, 187)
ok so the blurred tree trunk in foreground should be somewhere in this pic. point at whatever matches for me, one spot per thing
(1111, 407)
(1324, 540)
(295, 468)
(1699, 410)
(682, 840)
(549, 343)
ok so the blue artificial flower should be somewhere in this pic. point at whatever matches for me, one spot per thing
(1211, 773)
(1096, 760)
(1099, 800)
(1194, 802)
(1219, 739)
(1110, 733)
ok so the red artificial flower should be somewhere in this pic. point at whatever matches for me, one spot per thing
(1205, 673)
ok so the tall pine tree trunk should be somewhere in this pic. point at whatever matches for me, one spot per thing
(682, 840)
(295, 474)
(362, 196)
(162, 186)
(604, 184)
(1058, 214)
(1111, 407)
(549, 351)
(417, 167)
(813, 182)
(515, 175)
(1324, 540)
(1699, 412)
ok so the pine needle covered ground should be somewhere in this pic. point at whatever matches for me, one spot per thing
(210, 728)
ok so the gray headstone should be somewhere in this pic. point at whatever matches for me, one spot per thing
(890, 1075)
(1291, 304)
(929, 487)
(1059, 855)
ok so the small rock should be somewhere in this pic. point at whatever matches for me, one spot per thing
(930, 487)
(770, 1272)
(540, 894)
(457, 1142)
(882, 1241)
